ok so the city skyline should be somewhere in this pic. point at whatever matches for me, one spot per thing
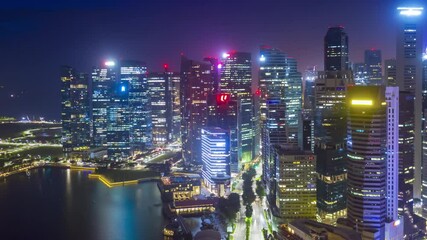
(368, 27)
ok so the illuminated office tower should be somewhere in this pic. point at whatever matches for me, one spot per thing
(216, 159)
(409, 75)
(176, 105)
(296, 184)
(329, 140)
(336, 49)
(373, 63)
(329, 126)
(223, 113)
(134, 74)
(406, 151)
(372, 155)
(280, 107)
(390, 72)
(103, 79)
(424, 139)
(118, 122)
(161, 106)
(236, 79)
(75, 113)
(164, 91)
(197, 82)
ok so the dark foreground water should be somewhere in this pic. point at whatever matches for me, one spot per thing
(63, 204)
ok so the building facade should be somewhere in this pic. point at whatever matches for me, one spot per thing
(216, 160)
(75, 114)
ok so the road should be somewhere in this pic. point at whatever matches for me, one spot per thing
(258, 220)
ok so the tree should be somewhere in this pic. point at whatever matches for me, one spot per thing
(251, 172)
(249, 211)
(230, 206)
(248, 196)
(260, 191)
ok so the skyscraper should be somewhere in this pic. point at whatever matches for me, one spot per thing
(75, 113)
(223, 113)
(197, 81)
(336, 49)
(118, 122)
(280, 107)
(373, 63)
(409, 75)
(236, 79)
(103, 79)
(134, 74)
(372, 151)
(164, 91)
(216, 159)
(329, 126)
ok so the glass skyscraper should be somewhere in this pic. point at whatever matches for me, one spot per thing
(216, 159)
(75, 115)
(103, 79)
(373, 63)
(236, 79)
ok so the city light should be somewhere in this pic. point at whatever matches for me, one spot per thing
(219, 65)
(410, 11)
(225, 55)
(361, 102)
(110, 63)
(262, 58)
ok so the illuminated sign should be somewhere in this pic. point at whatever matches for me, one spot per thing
(361, 102)
(222, 98)
(410, 11)
(110, 63)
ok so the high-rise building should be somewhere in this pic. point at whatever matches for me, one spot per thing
(424, 138)
(406, 151)
(296, 184)
(75, 113)
(372, 155)
(390, 72)
(216, 159)
(409, 74)
(118, 122)
(223, 113)
(103, 79)
(236, 79)
(329, 126)
(373, 63)
(164, 91)
(329, 140)
(280, 109)
(197, 81)
(336, 49)
(134, 74)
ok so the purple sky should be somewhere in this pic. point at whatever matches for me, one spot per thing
(37, 37)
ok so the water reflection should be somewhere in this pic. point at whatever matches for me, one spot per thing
(64, 204)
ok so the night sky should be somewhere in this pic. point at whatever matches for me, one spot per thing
(37, 37)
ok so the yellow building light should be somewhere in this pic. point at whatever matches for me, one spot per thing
(361, 102)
